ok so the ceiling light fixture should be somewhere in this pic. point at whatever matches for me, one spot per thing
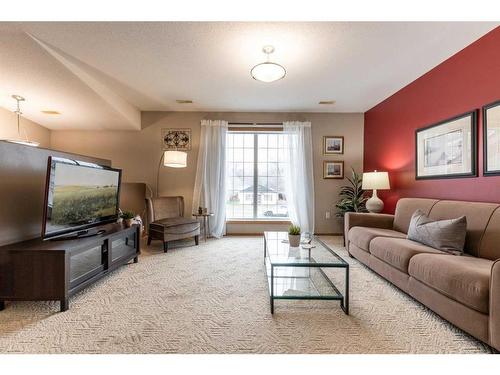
(18, 112)
(268, 71)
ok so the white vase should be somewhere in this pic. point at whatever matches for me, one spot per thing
(294, 240)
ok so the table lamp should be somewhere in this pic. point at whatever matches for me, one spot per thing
(375, 181)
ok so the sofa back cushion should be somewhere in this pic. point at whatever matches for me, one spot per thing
(490, 244)
(478, 215)
(405, 209)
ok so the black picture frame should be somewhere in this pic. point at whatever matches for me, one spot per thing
(485, 109)
(474, 148)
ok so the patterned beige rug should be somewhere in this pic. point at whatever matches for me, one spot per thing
(213, 299)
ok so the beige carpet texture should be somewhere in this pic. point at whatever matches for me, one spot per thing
(213, 298)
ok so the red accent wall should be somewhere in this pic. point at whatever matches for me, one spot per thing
(466, 81)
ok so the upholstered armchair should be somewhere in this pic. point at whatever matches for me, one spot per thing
(166, 221)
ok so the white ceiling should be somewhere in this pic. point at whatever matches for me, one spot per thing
(100, 75)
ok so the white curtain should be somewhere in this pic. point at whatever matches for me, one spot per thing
(299, 176)
(210, 183)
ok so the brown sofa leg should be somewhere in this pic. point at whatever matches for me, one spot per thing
(165, 246)
(149, 240)
(197, 240)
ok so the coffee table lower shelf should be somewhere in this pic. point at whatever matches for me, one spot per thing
(304, 282)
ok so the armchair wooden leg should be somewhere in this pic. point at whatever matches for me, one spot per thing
(2, 305)
(165, 246)
(149, 240)
(197, 240)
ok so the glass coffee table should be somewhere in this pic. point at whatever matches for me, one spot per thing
(296, 273)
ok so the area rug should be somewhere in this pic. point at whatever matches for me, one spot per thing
(213, 298)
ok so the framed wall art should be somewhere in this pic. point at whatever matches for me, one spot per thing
(491, 139)
(447, 149)
(176, 139)
(333, 169)
(333, 145)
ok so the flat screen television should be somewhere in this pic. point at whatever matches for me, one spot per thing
(78, 196)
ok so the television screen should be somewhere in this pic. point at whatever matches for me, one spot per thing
(79, 195)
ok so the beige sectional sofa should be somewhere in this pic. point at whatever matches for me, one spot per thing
(464, 290)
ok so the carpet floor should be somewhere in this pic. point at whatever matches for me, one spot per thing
(213, 298)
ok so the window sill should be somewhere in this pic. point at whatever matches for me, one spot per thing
(257, 221)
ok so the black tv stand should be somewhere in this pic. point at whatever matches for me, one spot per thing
(80, 234)
(38, 270)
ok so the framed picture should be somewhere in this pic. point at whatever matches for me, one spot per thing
(333, 169)
(447, 149)
(333, 145)
(491, 139)
(176, 139)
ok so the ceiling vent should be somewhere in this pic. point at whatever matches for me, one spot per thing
(327, 102)
(184, 101)
(49, 112)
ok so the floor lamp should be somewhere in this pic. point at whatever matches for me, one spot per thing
(172, 159)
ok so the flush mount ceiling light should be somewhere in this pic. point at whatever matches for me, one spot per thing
(268, 71)
(18, 112)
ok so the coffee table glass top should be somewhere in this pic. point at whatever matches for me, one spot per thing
(279, 252)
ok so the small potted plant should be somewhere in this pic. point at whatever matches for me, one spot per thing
(128, 218)
(294, 235)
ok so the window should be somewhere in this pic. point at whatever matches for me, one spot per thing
(255, 176)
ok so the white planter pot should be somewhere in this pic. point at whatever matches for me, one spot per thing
(294, 240)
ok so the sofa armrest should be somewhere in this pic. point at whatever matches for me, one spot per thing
(365, 219)
(361, 219)
(494, 325)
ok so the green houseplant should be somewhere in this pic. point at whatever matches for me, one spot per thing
(294, 235)
(352, 196)
(128, 218)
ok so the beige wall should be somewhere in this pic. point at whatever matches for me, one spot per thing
(8, 128)
(138, 153)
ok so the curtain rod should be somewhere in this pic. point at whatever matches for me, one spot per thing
(256, 123)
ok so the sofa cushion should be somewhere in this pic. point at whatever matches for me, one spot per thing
(478, 215)
(489, 246)
(398, 251)
(175, 225)
(405, 209)
(361, 236)
(465, 279)
(446, 235)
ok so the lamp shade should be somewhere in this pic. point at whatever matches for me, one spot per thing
(175, 159)
(375, 180)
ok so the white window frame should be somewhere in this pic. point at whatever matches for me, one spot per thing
(255, 217)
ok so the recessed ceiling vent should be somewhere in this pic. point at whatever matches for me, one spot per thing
(50, 112)
(184, 101)
(327, 102)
